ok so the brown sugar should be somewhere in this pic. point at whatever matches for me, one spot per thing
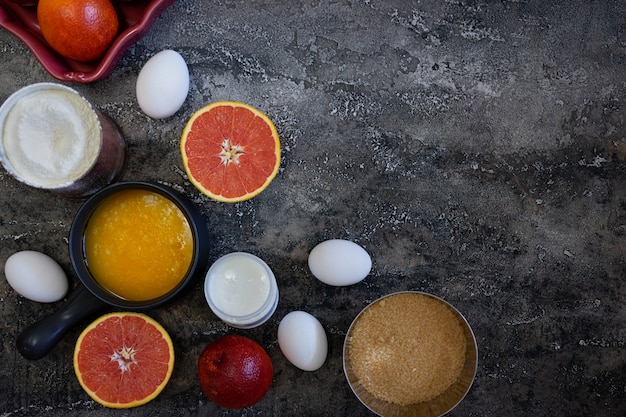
(407, 348)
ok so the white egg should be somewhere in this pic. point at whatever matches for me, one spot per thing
(302, 340)
(163, 84)
(339, 262)
(36, 276)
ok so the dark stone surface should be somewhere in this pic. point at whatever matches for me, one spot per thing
(476, 149)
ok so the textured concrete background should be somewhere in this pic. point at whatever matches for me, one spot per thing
(476, 149)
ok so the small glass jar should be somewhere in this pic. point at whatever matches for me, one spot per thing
(52, 138)
(241, 290)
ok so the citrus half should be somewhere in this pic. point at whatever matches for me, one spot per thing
(123, 360)
(230, 151)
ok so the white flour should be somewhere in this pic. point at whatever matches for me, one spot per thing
(51, 137)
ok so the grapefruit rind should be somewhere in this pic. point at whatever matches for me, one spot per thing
(198, 184)
(138, 402)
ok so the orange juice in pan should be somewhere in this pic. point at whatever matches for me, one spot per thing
(138, 245)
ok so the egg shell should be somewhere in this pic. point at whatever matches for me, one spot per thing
(339, 262)
(36, 276)
(163, 84)
(302, 340)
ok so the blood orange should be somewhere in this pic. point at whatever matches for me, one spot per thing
(230, 150)
(235, 371)
(123, 360)
(78, 29)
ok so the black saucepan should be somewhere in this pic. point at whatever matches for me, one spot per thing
(89, 297)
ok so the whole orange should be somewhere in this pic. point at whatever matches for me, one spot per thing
(235, 371)
(78, 29)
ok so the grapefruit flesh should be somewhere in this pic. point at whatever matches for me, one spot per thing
(230, 151)
(123, 360)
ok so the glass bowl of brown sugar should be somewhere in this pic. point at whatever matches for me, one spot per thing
(410, 354)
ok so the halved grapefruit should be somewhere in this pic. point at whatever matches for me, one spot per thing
(123, 360)
(230, 151)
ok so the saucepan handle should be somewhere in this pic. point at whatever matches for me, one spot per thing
(37, 340)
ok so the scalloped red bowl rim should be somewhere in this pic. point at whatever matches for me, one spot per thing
(21, 21)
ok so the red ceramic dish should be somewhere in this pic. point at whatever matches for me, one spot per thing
(135, 19)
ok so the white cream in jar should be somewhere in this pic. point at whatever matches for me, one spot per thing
(241, 290)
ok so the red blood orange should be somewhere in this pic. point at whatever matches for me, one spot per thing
(230, 150)
(78, 29)
(235, 372)
(123, 360)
